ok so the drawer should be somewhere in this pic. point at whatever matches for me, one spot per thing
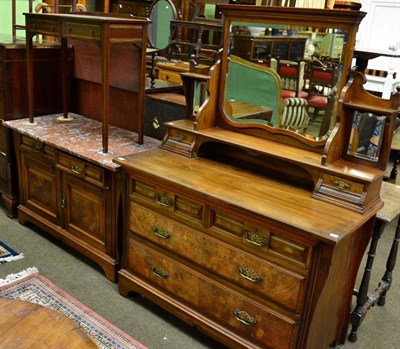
(342, 184)
(258, 323)
(254, 274)
(262, 238)
(80, 168)
(44, 27)
(36, 146)
(81, 30)
(170, 76)
(165, 200)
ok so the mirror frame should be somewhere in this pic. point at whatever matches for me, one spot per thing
(174, 17)
(347, 20)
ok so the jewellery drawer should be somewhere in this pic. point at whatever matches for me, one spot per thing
(44, 27)
(228, 307)
(81, 30)
(165, 200)
(279, 285)
(80, 168)
(263, 239)
(342, 184)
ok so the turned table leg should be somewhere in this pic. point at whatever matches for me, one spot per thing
(362, 305)
(387, 278)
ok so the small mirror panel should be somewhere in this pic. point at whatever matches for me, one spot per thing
(161, 14)
(366, 135)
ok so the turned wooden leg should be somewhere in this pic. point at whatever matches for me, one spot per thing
(393, 172)
(387, 278)
(358, 314)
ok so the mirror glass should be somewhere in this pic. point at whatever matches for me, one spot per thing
(161, 13)
(284, 76)
(366, 135)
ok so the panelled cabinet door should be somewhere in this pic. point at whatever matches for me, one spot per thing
(39, 185)
(84, 208)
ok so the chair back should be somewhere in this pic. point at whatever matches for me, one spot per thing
(292, 75)
(322, 79)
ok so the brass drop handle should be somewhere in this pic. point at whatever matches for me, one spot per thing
(164, 200)
(342, 185)
(63, 202)
(76, 169)
(91, 32)
(52, 28)
(243, 317)
(250, 274)
(161, 232)
(255, 239)
(159, 272)
(68, 30)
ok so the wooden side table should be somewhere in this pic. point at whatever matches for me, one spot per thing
(390, 194)
(29, 325)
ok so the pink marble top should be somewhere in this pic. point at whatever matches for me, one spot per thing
(82, 137)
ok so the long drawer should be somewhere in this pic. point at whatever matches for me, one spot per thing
(259, 276)
(246, 317)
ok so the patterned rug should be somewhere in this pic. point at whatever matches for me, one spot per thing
(30, 286)
(7, 254)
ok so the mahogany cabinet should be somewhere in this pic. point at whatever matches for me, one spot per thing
(14, 104)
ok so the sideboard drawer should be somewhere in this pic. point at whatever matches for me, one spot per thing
(81, 30)
(45, 27)
(37, 146)
(81, 168)
(246, 317)
(269, 281)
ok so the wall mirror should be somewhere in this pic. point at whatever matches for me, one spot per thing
(161, 13)
(259, 42)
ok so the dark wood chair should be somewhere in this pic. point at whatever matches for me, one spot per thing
(322, 87)
(292, 77)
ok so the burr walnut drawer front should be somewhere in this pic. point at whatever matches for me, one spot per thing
(44, 26)
(81, 30)
(260, 276)
(80, 168)
(246, 317)
(165, 200)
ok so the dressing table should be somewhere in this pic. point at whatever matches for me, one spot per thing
(254, 234)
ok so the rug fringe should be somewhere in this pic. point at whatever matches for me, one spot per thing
(12, 258)
(13, 277)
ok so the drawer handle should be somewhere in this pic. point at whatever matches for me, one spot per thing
(37, 147)
(342, 185)
(159, 272)
(91, 32)
(76, 169)
(255, 239)
(33, 26)
(164, 200)
(161, 233)
(68, 30)
(52, 28)
(180, 136)
(243, 317)
(250, 274)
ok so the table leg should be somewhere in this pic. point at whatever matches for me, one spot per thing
(362, 306)
(387, 278)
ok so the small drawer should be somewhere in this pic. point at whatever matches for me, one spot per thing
(169, 76)
(37, 147)
(44, 27)
(161, 198)
(81, 30)
(262, 239)
(342, 184)
(81, 169)
(180, 136)
(264, 278)
(230, 308)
